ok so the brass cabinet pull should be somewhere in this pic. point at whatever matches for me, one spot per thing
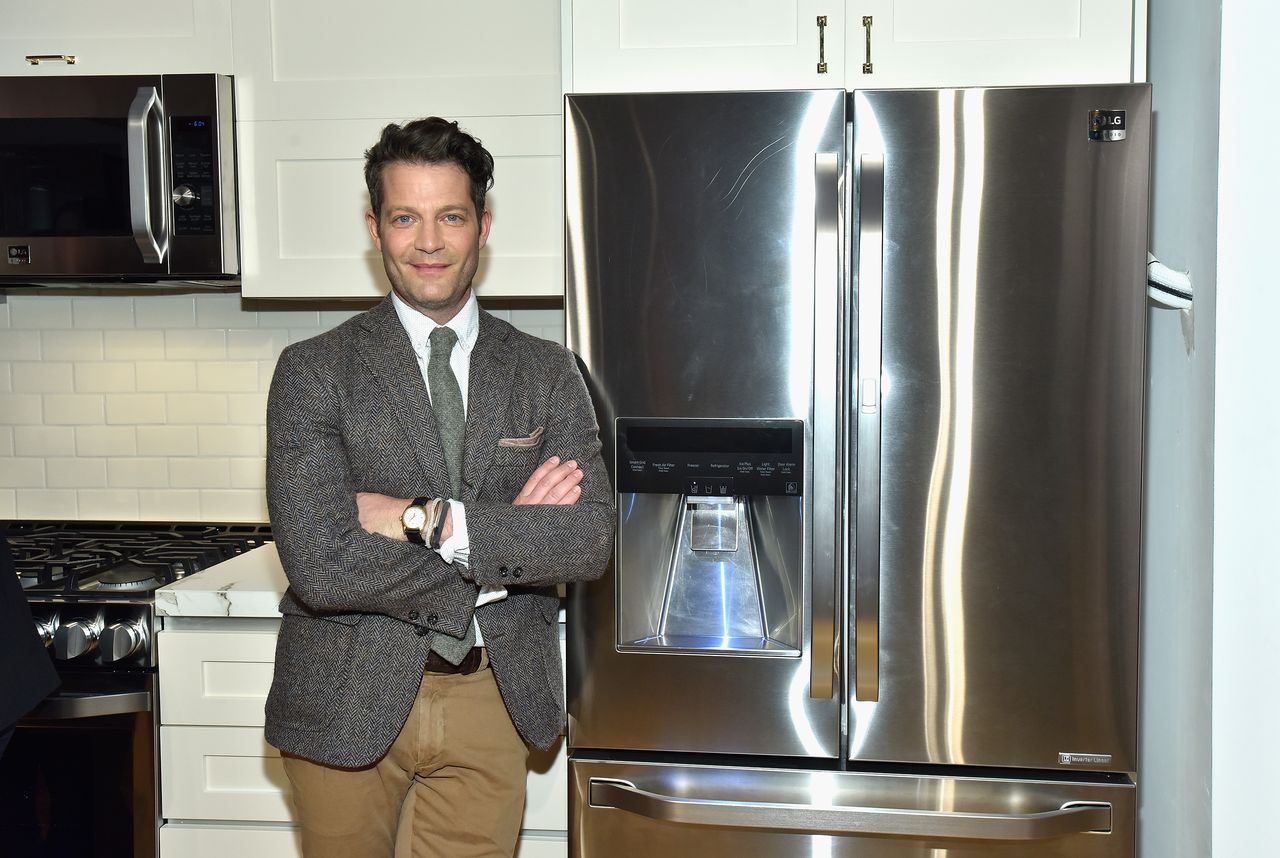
(37, 59)
(822, 44)
(866, 24)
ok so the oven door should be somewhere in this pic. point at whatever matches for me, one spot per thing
(79, 775)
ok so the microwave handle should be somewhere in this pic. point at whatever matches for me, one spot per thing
(146, 118)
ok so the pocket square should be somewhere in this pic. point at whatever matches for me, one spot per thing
(532, 440)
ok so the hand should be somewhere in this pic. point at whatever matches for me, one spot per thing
(554, 482)
(381, 514)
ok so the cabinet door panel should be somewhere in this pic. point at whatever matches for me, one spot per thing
(141, 37)
(219, 841)
(215, 678)
(658, 45)
(222, 773)
(299, 59)
(927, 43)
(303, 200)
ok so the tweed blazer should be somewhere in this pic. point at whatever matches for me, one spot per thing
(348, 412)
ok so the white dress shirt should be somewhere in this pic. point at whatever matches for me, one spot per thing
(466, 324)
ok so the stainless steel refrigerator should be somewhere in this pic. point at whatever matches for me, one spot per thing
(869, 374)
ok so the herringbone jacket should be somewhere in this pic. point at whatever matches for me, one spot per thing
(348, 412)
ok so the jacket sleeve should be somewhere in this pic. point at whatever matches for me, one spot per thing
(542, 544)
(333, 565)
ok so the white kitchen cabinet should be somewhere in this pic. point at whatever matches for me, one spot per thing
(328, 59)
(139, 37)
(303, 200)
(652, 45)
(222, 773)
(664, 45)
(213, 677)
(927, 43)
(219, 840)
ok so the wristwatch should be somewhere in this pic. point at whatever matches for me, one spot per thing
(414, 519)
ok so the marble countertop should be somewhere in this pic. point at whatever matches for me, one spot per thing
(247, 585)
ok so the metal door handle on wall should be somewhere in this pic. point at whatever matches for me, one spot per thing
(866, 596)
(37, 59)
(866, 25)
(1069, 818)
(822, 44)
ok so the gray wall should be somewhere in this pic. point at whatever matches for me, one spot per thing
(1175, 727)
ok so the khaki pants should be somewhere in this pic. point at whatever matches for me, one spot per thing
(451, 785)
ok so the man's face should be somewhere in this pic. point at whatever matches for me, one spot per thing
(429, 235)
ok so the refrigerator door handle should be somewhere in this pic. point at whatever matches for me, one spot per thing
(866, 596)
(1069, 818)
(827, 408)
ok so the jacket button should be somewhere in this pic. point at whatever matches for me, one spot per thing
(432, 619)
(516, 572)
(421, 631)
(502, 570)
(413, 615)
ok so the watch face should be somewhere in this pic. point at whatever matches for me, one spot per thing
(414, 518)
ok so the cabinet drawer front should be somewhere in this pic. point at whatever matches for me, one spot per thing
(215, 678)
(222, 773)
(219, 841)
(543, 846)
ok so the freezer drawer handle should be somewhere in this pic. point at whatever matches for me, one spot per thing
(1070, 818)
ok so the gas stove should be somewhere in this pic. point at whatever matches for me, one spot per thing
(90, 584)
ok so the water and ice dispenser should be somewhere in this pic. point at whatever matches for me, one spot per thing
(710, 536)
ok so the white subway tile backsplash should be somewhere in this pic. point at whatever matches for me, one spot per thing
(115, 311)
(249, 474)
(76, 473)
(540, 318)
(167, 376)
(6, 440)
(233, 505)
(40, 311)
(197, 408)
(74, 408)
(250, 408)
(273, 318)
(256, 345)
(226, 376)
(44, 441)
(195, 344)
(206, 472)
(71, 345)
(114, 377)
(18, 473)
(8, 500)
(223, 311)
(19, 345)
(266, 369)
(21, 408)
(332, 318)
(106, 441)
(169, 504)
(133, 345)
(138, 473)
(45, 503)
(165, 311)
(6, 379)
(46, 377)
(136, 409)
(167, 441)
(4, 314)
(108, 504)
(230, 440)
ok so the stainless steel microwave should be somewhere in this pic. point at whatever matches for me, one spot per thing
(121, 178)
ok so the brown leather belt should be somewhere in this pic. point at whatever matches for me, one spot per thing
(469, 664)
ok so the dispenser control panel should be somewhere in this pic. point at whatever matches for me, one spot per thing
(710, 457)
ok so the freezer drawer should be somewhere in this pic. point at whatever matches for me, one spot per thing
(622, 810)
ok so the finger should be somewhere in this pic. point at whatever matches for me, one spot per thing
(537, 489)
(558, 493)
(536, 477)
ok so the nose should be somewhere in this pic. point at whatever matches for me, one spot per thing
(427, 238)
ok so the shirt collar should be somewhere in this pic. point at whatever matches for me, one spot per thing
(466, 324)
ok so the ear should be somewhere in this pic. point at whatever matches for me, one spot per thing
(485, 220)
(371, 221)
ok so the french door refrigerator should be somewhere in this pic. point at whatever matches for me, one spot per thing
(869, 374)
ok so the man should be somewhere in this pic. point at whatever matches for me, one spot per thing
(432, 474)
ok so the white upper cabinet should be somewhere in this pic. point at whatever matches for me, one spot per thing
(137, 37)
(304, 59)
(658, 45)
(303, 197)
(928, 43)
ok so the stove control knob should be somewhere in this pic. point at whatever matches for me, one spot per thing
(120, 641)
(45, 628)
(74, 639)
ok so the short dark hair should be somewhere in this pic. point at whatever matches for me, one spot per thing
(428, 141)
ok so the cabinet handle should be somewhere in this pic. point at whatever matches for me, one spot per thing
(866, 25)
(37, 59)
(822, 44)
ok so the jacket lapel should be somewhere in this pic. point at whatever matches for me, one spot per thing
(384, 348)
(489, 387)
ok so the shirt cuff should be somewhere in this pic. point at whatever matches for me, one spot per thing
(457, 548)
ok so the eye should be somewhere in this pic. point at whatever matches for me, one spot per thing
(400, 220)
(454, 218)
